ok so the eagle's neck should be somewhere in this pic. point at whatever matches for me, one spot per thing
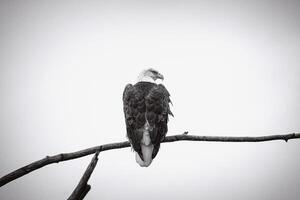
(145, 79)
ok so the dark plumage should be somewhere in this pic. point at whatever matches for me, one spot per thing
(146, 109)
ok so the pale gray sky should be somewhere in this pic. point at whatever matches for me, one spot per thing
(232, 68)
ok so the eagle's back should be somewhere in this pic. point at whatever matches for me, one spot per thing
(146, 108)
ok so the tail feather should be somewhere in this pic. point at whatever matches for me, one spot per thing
(147, 150)
(147, 155)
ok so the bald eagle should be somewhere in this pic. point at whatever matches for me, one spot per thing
(146, 108)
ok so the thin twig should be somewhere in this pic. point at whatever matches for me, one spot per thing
(68, 156)
(83, 188)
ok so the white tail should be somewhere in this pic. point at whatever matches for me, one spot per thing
(147, 149)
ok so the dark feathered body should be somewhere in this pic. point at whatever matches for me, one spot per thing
(146, 106)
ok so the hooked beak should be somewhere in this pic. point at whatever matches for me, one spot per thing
(160, 76)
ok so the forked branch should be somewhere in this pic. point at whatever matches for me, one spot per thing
(83, 188)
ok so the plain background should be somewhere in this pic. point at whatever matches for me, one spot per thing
(232, 68)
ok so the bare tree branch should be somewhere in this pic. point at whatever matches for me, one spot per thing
(68, 156)
(83, 188)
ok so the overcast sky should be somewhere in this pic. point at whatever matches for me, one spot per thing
(232, 68)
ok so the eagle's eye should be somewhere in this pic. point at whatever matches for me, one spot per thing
(154, 72)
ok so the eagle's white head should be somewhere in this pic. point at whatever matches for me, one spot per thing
(149, 75)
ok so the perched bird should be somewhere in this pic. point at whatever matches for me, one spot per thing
(146, 109)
